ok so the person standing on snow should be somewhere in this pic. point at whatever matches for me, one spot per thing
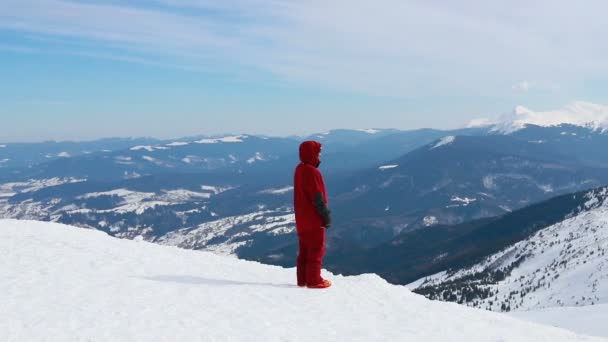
(312, 216)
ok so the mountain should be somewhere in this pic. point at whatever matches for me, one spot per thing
(63, 283)
(389, 183)
(582, 114)
(244, 208)
(561, 265)
(347, 152)
(14, 156)
(586, 144)
(241, 183)
(454, 180)
(412, 255)
(227, 154)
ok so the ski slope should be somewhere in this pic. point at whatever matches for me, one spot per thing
(60, 283)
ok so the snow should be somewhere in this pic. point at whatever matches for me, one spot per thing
(387, 167)
(148, 148)
(127, 194)
(183, 195)
(133, 201)
(139, 202)
(178, 143)
(578, 113)
(369, 130)
(588, 320)
(430, 221)
(280, 191)
(59, 283)
(257, 157)
(131, 175)
(561, 265)
(444, 142)
(463, 201)
(219, 235)
(124, 160)
(215, 189)
(152, 160)
(34, 185)
(138, 148)
(228, 139)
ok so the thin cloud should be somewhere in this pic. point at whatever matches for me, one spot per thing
(391, 47)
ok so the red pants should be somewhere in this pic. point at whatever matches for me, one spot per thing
(310, 256)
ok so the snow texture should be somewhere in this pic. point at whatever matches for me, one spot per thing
(59, 283)
(587, 320)
(444, 141)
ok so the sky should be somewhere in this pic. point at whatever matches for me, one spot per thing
(83, 69)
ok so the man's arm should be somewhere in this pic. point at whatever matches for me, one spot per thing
(322, 209)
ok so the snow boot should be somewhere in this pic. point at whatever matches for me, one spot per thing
(322, 285)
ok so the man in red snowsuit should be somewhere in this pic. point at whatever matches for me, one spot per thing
(312, 216)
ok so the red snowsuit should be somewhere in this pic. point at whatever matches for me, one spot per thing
(312, 215)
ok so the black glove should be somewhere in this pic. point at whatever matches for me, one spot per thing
(322, 210)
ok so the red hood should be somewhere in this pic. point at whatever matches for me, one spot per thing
(309, 153)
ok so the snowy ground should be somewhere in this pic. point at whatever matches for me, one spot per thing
(589, 320)
(60, 283)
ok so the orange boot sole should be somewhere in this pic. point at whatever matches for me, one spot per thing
(323, 285)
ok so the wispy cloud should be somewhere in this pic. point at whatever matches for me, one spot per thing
(390, 47)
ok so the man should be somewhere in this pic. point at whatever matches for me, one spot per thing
(312, 216)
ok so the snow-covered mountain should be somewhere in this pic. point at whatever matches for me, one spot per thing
(59, 283)
(17, 155)
(457, 179)
(564, 264)
(584, 114)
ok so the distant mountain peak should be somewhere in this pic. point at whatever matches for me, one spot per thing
(578, 113)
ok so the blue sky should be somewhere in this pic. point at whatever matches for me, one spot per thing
(167, 68)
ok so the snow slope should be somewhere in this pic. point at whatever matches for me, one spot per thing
(561, 265)
(590, 320)
(59, 283)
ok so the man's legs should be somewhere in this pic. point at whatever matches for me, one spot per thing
(301, 266)
(315, 250)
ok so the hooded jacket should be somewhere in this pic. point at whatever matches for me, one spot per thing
(310, 195)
